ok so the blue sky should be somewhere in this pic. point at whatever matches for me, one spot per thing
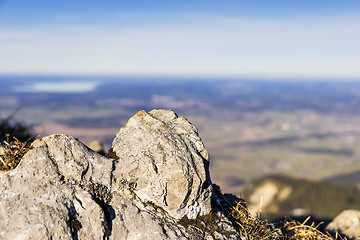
(292, 38)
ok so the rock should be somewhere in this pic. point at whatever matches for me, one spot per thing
(346, 223)
(45, 196)
(2, 150)
(97, 146)
(159, 180)
(165, 162)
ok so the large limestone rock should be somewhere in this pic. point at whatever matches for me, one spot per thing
(49, 195)
(64, 190)
(346, 223)
(162, 157)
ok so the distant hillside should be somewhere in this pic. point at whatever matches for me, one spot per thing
(349, 178)
(283, 196)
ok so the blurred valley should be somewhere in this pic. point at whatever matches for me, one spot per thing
(251, 128)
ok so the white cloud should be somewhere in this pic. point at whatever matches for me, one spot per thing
(202, 45)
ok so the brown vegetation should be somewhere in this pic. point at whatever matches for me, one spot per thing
(13, 152)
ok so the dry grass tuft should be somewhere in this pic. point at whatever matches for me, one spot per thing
(252, 227)
(295, 230)
(13, 152)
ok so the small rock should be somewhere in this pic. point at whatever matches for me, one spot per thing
(3, 150)
(346, 223)
(97, 146)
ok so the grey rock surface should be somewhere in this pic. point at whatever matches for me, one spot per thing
(63, 190)
(164, 160)
(45, 196)
(346, 223)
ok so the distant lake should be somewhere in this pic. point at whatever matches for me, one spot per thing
(57, 87)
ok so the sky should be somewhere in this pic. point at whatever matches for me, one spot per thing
(231, 38)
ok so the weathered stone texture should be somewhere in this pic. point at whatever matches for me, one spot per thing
(42, 197)
(165, 161)
(64, 190)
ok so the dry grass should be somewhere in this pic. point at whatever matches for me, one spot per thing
(252, 227)
(295, 230)
(14, 151)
